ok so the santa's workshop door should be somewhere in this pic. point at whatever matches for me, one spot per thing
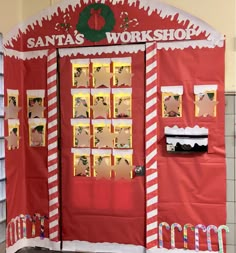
(102, 94)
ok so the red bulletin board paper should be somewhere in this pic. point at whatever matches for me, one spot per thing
(26, 167)
(99, 210)
(192, 187)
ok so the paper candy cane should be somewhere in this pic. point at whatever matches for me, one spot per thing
(9, 235)
(15, 220)
(197, 235)
(18, 219)
(220, 237)
(161, 234)
(126, 22)
(42, 219)
(209, 228)
(173, 226)
(23, 218)
(186, 226)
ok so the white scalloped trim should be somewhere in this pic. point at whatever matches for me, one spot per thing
(164, 10)
(100, 50)
(99, 60)
(173, 89)
(106, 247)
(12, 92)
(122, 91)
(101, 152)
(122, 60)
(186, 44)
(80, 91)
(196, 130)
(204, 88)
(122, 152)
(123, 122)
(101, 121)
(36, 93)
(79, 121)
(81, 151)
(100, 91)
(37, 121)
(187, 141)
(13, 122)
(79, 61)
(25, 55)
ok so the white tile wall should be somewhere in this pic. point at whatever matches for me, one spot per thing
(230, 163)
(230, 120)
(230, 190)
(2, 232)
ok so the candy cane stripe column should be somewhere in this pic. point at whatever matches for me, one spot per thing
(52, 146)
(151, 148)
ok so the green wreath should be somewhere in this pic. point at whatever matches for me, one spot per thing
(92, 34)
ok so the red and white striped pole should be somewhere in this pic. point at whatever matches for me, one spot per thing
(151, 148)
(53, 185)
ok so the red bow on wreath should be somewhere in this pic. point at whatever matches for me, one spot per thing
(96, 21)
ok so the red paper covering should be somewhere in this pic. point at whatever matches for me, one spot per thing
(192, 186)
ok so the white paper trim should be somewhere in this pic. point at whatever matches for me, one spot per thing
(198, 89)
(81, 151)
(80, 61)
(37, 121)
(13, 122)
(33, 242)
(173, 89)
(100, 50)
(192, 43)
(123, 122)
(161, 9)
(79, 121)
(122, 152)
(36, 93)
(187, 141)
(80, 91)
(101, 152)
(122, 60)
(122, 91)
(100, 91)
(101, 60)
(196, 130)
(12, 92)
(106, 247)
(101, 121)
(25, 55)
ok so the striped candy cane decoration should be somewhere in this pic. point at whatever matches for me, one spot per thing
(209, 228)
(161, 232)
(52, 145)
(220, 237)
(186, 226)
(151, 147)
(173, 226)
(203, 227)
